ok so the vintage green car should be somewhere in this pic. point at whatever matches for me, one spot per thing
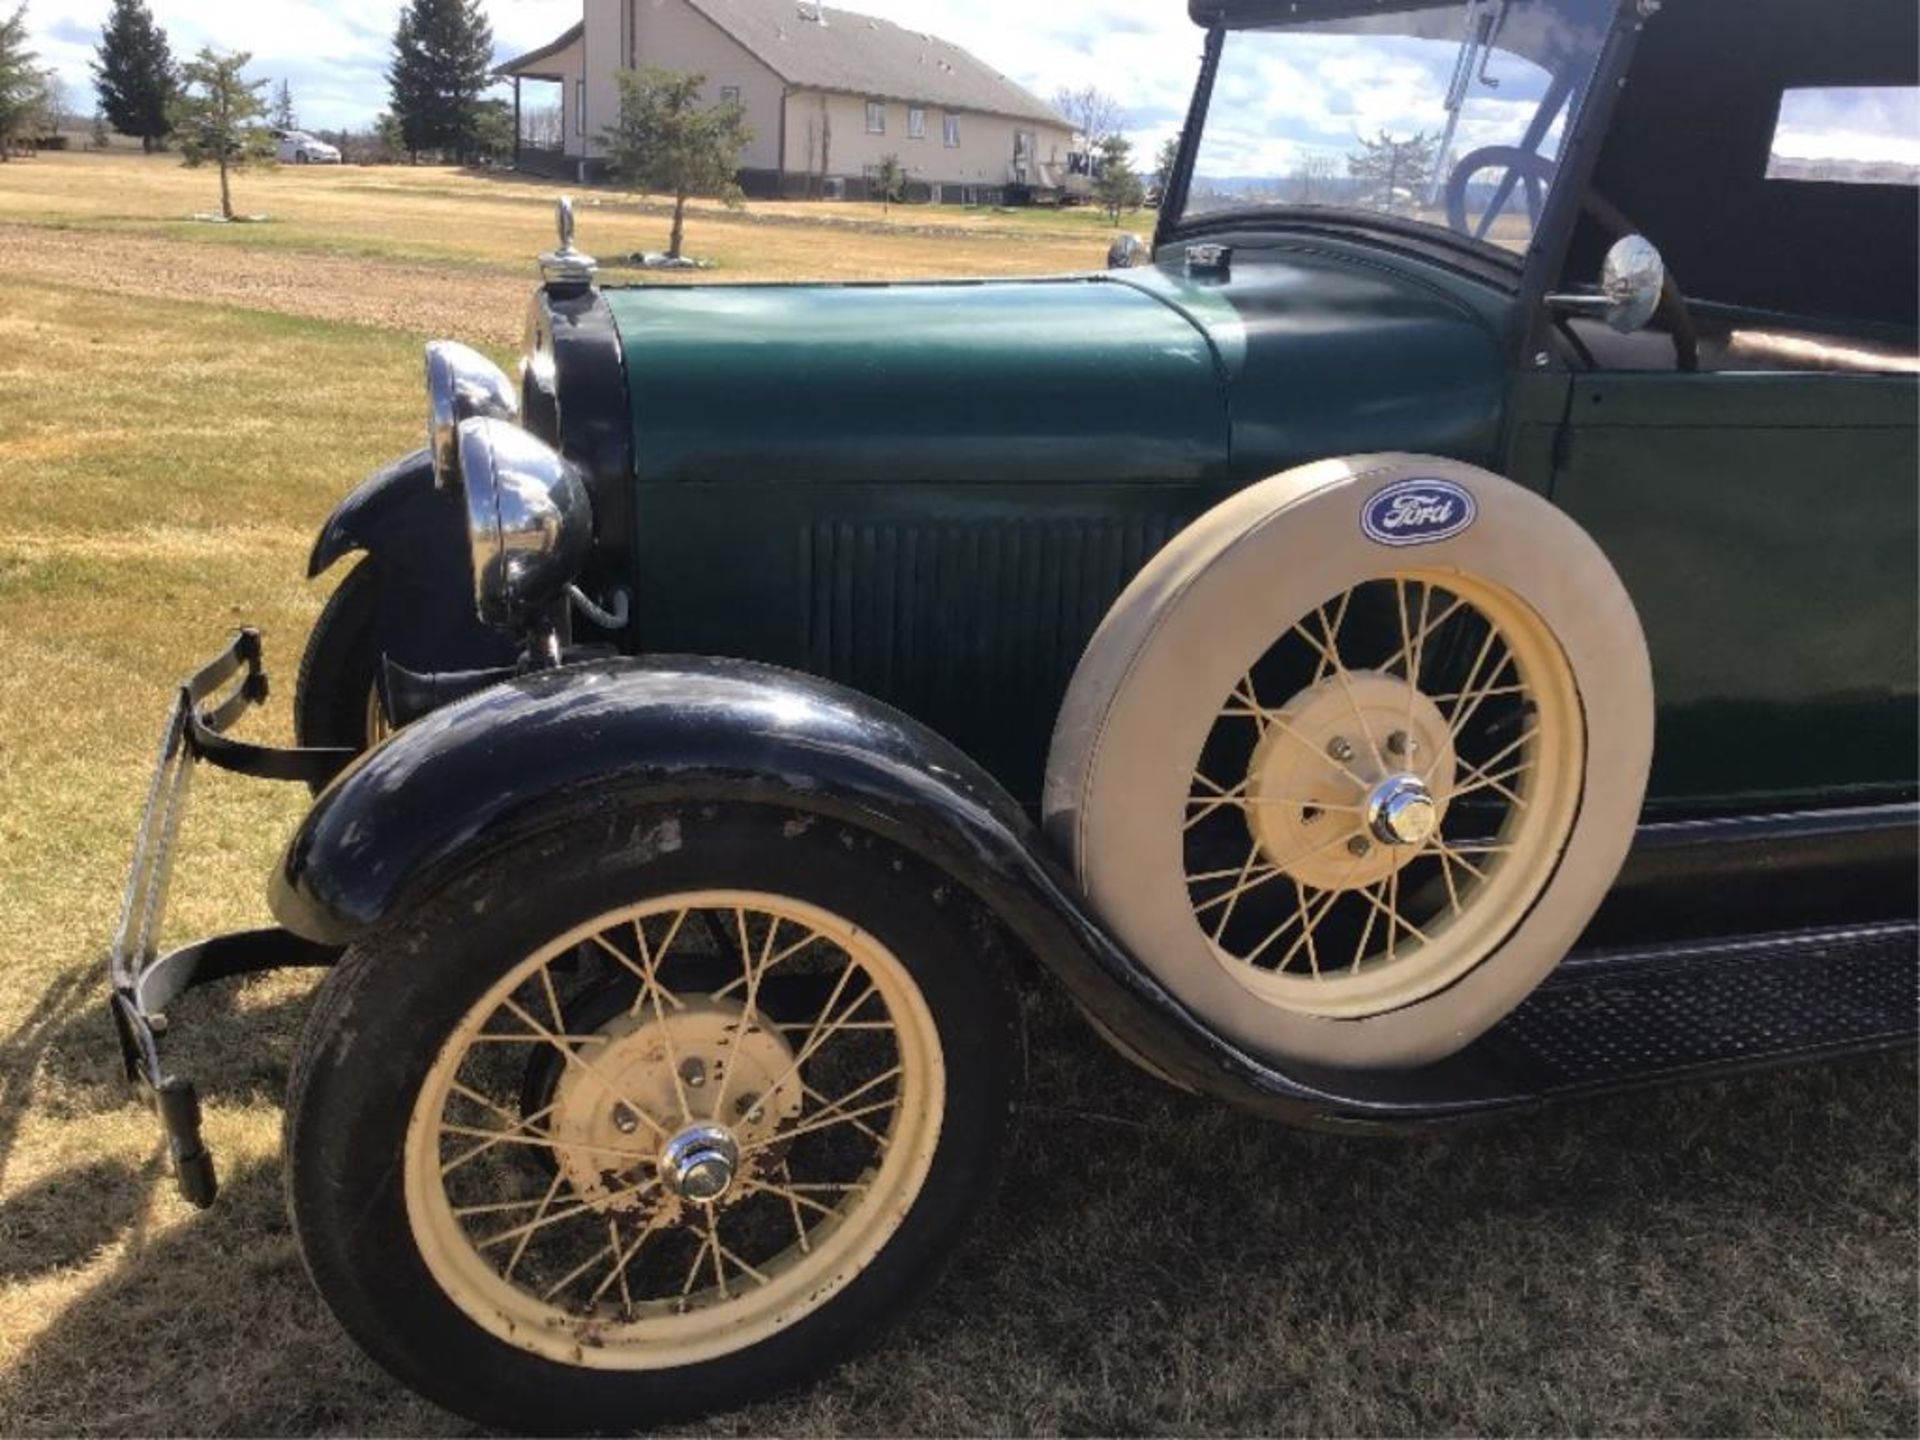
(1384, 677)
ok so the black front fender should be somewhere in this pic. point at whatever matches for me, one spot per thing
(544, 750)
(385, 505)
(416, 535)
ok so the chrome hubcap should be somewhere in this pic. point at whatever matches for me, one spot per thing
(1401, 811)
(698, 1164)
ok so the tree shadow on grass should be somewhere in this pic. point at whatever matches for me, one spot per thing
(1734, 1257)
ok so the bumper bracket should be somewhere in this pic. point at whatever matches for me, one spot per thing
(142, 982)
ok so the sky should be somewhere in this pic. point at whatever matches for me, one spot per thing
(1288, 98)
(334, 52)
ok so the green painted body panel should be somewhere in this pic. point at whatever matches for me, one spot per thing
(933, 492)
(933, 384)
(1767, 527)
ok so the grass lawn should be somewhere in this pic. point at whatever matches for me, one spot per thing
(183, 404)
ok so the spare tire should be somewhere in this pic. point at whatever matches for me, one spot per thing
(1354, 760)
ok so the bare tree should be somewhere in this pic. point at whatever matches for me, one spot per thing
(1315, 179)
(1092, 112)
(544, 127)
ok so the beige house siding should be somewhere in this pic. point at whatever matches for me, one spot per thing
(984, 156)
(622, 34)
(619, 34)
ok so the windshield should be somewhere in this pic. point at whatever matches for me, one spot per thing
(1451, 116)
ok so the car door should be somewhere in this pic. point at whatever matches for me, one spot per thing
(1762, 508)
(1765, 524)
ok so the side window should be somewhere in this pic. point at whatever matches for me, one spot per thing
(730, 94)
(579, 107)
(1788, 211)
(953, 132)
(916, 122)
(876, 118)
(1852, 135)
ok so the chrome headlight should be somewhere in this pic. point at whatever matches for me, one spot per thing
(529, 521)
(462, 384)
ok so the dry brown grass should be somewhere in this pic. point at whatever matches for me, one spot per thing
(446, 217)
(1733, 1259)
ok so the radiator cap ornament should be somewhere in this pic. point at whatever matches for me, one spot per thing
(567, 270)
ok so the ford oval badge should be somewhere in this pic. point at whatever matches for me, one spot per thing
(1418, 512)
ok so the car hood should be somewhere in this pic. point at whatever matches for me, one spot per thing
(1002, 381)
(1305, 350)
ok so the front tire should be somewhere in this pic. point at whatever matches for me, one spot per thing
(336, 702)
(649, 1117)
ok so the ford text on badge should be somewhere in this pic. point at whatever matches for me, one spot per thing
(1418, 512)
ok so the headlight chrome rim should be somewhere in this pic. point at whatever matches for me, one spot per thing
(462, 384)
(529, 520)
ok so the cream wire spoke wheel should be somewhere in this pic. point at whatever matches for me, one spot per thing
(379, 729)
(1356, 757)
(675, 1130)
(1391, 779)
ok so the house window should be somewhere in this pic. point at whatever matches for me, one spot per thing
(729, 94)
(916, 123)
(876, 118)
(579, 107)
(953, 132)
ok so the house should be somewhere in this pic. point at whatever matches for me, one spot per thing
(828, 93)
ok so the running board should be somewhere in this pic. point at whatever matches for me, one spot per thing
(1621, 1019)
(1609, 1020)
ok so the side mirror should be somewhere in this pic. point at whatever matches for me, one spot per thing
(1128, 252)
(1631, 284)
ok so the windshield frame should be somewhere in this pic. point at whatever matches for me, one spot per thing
(1522, 271)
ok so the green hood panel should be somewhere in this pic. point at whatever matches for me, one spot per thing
(946, 383)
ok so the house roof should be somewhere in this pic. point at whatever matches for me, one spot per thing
(527, 66)
(818, 47)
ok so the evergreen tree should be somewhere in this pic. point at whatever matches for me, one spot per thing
(1117, 187)
(285, 117)
(890, 180)
(442, 63)
(1166, 162)
(1394, 173)
(218, 116)
(20, 82)
(667, 141)
(134, 73)
(493, 133)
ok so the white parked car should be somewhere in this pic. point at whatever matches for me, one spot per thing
(296, 147)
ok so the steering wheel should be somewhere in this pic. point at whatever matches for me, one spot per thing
(1523, 167)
